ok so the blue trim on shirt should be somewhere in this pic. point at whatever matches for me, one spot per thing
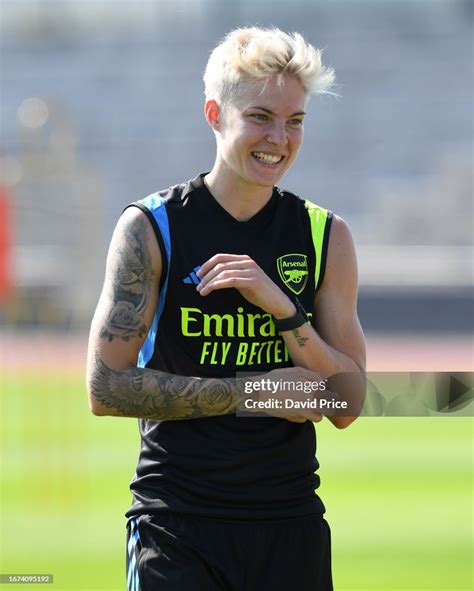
(157, 206)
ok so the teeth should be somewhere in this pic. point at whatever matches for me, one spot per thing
(267, 157)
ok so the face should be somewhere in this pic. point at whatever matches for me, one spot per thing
(259, 135)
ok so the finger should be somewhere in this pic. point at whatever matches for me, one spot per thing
(238, 282)
(220, 258)
(223, 268)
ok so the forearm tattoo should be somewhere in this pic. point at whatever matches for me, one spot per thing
(131, 286)
(301, 341)
(151, 394)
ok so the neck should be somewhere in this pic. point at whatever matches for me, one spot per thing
(238, 198)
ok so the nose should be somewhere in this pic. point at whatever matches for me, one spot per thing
(277, 134)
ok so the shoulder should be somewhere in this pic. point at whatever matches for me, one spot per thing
(133, 220)
(135, 233)
(156, 209)
(341, 265)
(341, 236)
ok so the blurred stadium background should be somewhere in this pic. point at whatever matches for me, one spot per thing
(101, 104)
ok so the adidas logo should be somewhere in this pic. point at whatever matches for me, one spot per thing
(192, 278)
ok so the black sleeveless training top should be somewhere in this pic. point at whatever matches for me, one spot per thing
(227, 466)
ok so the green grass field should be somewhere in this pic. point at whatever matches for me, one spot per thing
(398, 493)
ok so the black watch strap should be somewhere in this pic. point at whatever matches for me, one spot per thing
(294, 321)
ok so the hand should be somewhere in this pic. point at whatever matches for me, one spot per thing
(223, 271)
(280, 392)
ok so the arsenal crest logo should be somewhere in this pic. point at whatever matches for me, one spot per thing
(293, 270)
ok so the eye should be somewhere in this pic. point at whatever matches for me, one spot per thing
(260, 117)
(296, 122)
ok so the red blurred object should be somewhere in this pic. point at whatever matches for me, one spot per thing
(6, 278)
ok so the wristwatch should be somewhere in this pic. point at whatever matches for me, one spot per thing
(295, 321)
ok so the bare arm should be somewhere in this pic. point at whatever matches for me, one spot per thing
(125, 311)
(337, 346)
(150, 394)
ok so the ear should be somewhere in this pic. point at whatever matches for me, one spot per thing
(212, 113)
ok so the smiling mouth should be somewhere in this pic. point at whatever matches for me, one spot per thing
(267, 158)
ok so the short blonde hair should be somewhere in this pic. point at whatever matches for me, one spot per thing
(253, 53)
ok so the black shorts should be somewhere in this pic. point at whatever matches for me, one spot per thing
(171, 552)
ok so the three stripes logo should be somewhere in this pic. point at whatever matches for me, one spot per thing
(192, 278)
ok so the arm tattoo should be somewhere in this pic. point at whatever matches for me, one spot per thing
(131, 286)
(299, 339)
(150, 394)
